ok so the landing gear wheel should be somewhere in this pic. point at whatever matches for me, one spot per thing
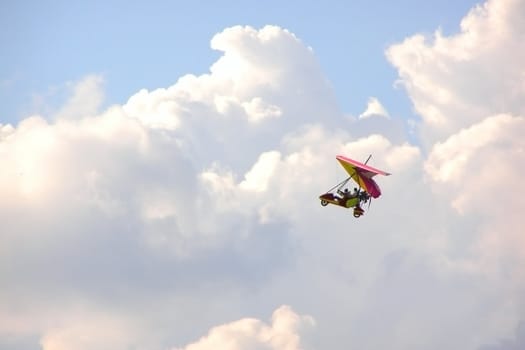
(358, 212)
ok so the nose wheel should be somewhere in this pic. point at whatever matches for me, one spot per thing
(358, 211)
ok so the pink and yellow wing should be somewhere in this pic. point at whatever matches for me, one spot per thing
(362, 174)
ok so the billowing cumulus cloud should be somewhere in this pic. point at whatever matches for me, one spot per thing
(146, 197)
(467, 91)
(249, 333)
(156, 223)
(458, 80)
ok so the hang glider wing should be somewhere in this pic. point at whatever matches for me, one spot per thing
(362, 174)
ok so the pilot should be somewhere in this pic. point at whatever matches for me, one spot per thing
(344, 195)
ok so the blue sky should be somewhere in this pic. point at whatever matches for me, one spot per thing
(149, 45)
(156, 193)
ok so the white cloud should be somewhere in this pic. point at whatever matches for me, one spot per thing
(257, 110)
(95, 331)
(122, 198)
(257, 178)
(459, 85)
(374, 108)
(265, 84)
(457, 81)
(86, 98)
(465, 88)
(284, 333)
(156, 109)
(447, 162)
(479, 171)
(5, 131)
(197, 204)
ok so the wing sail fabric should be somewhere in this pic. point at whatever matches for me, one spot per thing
(362, 174)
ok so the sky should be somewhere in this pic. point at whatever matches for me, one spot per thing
(161, 164)
(151, 44)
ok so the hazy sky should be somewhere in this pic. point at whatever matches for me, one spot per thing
(161, 165)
